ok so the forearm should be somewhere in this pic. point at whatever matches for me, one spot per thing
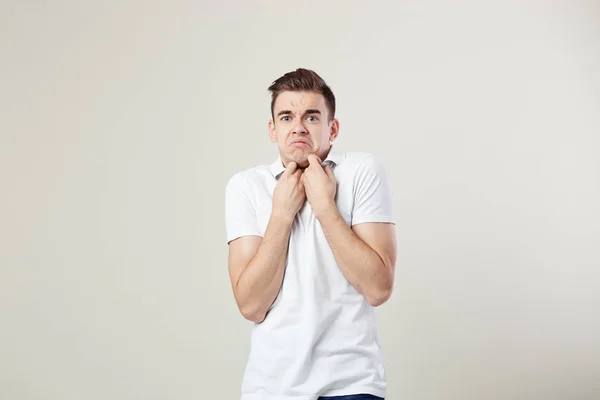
(261, 280)
(360, 264)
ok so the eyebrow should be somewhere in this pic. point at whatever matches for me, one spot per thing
(313, 111)
(309, 111)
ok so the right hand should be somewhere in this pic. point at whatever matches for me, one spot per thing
(289, 194)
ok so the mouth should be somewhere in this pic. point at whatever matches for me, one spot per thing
(300, 143)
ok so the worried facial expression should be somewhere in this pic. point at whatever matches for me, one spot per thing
(301, 126)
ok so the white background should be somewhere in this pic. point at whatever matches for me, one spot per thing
(121, 122)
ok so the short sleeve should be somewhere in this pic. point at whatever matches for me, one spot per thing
(240, 214)
(372, 193)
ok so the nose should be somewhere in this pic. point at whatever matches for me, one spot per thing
(299, 128)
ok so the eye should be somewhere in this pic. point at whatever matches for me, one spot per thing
(286, 118)
(313, 118)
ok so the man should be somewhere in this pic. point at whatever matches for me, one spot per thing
(312, 250)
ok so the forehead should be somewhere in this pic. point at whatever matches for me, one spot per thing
(297, 101)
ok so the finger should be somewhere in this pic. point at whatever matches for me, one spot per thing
(291, 168)
(312, 159)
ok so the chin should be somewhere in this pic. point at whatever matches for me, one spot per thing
(302, 163)
(300, 158)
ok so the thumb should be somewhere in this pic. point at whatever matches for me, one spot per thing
(290, 169)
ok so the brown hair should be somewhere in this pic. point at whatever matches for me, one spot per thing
(303, 80)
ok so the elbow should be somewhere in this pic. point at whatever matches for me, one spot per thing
(378, 298)
(256, 317)
(250, 310)
(252, 314)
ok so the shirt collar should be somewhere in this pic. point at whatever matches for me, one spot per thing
(333, 159)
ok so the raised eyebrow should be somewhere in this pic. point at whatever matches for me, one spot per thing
(312, 111)
(284, 112)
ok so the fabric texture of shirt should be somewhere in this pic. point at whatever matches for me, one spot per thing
(319, 337)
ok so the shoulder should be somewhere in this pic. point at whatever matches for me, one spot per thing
(247, 177)
(363, 162)
(357, 158)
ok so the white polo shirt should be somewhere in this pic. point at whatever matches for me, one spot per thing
(319, 337)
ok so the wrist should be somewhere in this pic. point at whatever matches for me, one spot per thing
(282, 217)
(328, 209)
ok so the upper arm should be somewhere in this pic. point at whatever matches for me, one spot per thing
(241, 252)
(243, 233)
(381, 237)
(372, 193)
(373, 214)
(240, 210)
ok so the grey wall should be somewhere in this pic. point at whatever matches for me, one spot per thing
(120, 123)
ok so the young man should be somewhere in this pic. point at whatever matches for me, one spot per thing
(312, 250)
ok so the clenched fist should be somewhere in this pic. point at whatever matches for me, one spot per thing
(320, 186)
(289, 195)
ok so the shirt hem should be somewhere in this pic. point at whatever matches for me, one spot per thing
(375, 218)
(344, 392)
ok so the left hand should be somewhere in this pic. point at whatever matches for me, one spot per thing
(320, 186)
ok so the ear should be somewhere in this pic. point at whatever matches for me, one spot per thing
(272, 133)
(334, 130)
